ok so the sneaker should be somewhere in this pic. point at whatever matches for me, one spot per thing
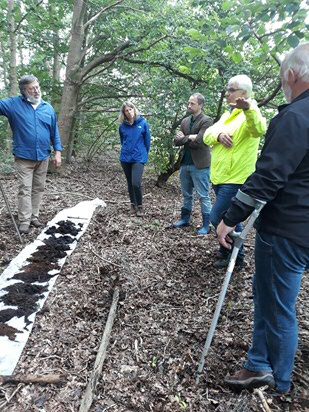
(245, 379)
(140, 211)
(23, 228)
(36, 223)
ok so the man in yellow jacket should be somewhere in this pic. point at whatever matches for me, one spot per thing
(234, 140)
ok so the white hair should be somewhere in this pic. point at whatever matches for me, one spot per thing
(243, 82)
(297, 60)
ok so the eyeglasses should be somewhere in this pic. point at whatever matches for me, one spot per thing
(231, 90)
(33, 89)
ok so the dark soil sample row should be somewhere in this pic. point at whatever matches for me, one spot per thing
(6, 330)
(65, 227)
(25, 295)
(22, 288)
(7, 314)
(30, 276)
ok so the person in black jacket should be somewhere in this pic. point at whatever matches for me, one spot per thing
(281, 179)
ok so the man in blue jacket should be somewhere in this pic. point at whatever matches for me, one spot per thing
(34, 125)
(281, 179)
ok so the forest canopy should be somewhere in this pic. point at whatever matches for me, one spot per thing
(90, 56)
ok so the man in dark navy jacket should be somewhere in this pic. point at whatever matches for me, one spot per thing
(34, 126)
(282, 239)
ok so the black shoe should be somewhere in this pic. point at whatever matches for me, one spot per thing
(223, 263)
(245, 379)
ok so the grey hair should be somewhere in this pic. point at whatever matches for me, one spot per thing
(242, 81)
(122, 116)
(26, 79)
(200, 98)
(297, 60)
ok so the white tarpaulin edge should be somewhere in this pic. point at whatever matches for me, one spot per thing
(10, 351)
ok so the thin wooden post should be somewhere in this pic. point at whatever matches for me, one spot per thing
(98, 365)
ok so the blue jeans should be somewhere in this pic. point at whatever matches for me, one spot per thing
(190, 178)
(134, 173)
(279, 265)
(224, 194)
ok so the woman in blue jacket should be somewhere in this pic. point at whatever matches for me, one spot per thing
(135, 144)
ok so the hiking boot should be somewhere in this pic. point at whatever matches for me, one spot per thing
(140, 211)
(36, 223)
(245, 379)
(23, 228)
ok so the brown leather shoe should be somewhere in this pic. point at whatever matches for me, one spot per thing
(245, 379)
(23, 228)
(36, 223)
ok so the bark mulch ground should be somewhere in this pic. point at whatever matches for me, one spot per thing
(168, 293)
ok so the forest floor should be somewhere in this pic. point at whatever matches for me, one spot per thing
(168, 294)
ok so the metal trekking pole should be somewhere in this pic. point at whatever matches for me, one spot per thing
(238, 241)
(10, 212)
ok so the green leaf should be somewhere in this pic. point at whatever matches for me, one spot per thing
(237, 57)
(184, 69)
(192, 50)
(293, 40)
(227, 5)
(195, 34)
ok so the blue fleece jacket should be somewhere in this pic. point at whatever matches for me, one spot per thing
(34, 130)
(135, 141)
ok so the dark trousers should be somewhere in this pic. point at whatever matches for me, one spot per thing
(134, 173)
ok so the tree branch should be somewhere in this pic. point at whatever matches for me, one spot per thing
(25, 15)
(169, 68)
(108, 57)
(271, 96)
(149, 45)
(103, 10)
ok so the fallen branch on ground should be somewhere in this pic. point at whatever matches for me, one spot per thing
(98, 365)
(260, 394)
(31, 379)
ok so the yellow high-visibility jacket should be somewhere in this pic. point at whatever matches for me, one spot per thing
(235, 164)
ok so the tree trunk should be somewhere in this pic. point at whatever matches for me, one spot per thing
(72, 83)
(172, 168)
(12, 74)
(13, 49)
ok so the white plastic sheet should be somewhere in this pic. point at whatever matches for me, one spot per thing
(10, 350)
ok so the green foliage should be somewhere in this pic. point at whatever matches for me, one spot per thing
(202, 45)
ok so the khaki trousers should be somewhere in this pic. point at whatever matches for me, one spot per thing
(31, 176)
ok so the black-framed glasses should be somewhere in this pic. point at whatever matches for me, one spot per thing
(231, 90)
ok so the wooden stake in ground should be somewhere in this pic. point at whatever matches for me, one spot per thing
(98, 365)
